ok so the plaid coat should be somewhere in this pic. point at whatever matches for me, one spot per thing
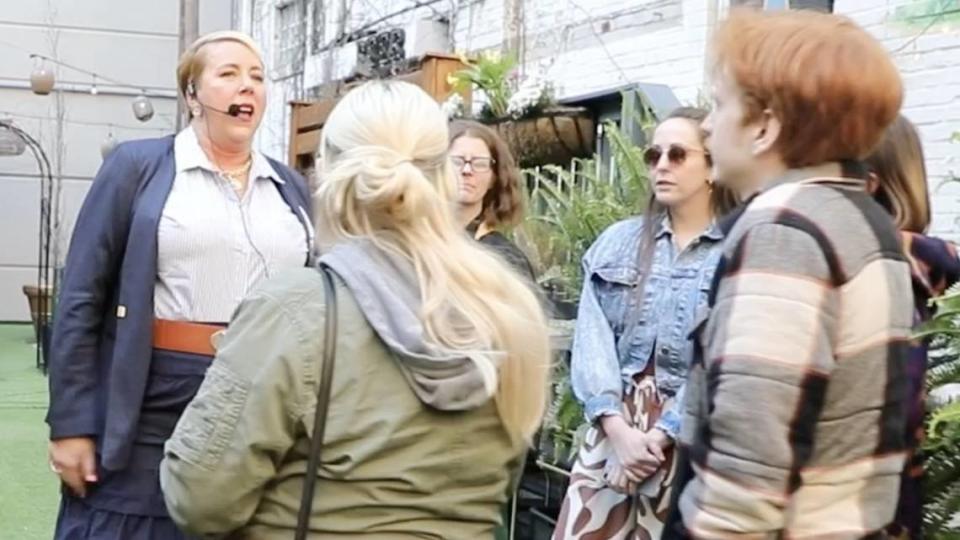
(796, 409)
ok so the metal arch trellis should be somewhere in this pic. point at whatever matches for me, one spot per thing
(46, 273)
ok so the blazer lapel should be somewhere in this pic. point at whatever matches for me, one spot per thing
(293, 199)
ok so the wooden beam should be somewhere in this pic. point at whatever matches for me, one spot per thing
(315, 115)
(295, 109)
(415, 77)
(442, 69)
(429, 80)
(307, 118)
(307, 142)
(444, 56)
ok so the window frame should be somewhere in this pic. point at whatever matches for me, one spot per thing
(289, 38)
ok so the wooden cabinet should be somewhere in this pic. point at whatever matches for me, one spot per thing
(308, 117)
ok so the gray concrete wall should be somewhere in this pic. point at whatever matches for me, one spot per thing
(133, 41)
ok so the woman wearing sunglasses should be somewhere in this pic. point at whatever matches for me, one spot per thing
(644, 279)
(490, 198)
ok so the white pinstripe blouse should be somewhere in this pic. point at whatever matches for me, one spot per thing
(213, 247)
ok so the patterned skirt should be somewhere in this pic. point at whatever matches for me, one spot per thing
(591, 508)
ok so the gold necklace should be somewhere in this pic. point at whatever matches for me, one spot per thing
(243, 169)
(237, 176)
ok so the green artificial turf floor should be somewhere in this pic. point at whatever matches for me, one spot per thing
(28, 490)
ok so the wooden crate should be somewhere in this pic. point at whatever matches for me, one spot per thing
(308, 117)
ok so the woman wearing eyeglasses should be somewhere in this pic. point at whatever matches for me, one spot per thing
(644, 279)
(490, 198)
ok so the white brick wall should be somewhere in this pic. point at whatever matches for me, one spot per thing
(669, 52)
(930, 66)
(478, 25)
(589, 45)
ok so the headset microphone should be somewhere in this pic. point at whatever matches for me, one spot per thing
(232, 110)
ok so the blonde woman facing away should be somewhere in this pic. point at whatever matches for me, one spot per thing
(441, 365)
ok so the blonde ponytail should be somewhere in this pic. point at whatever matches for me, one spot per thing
(386, 177)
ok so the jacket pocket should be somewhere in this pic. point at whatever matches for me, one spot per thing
(618, 275)
(703, 295)
(616, 291)
(204, 432)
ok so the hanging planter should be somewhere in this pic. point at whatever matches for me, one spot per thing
(524, 111)
(555, 135)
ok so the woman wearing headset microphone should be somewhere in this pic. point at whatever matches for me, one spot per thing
(172, 235)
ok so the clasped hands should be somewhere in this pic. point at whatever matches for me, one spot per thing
(638, 454)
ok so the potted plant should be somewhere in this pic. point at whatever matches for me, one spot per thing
(941, 489)
(568, 208)
(40, 301)
(525, 113)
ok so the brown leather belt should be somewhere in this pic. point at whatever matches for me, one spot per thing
(187, 337)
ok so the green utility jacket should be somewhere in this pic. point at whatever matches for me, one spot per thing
(391, 467)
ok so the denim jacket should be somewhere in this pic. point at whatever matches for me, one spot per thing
(677, 286)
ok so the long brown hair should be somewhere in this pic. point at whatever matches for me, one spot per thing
(722, 200)
(902, 176)
(503, 202)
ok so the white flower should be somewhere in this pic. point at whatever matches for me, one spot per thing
(453, 106)
(526, 96)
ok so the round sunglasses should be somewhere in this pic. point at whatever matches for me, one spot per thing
(676, 154)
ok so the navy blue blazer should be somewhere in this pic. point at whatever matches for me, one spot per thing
(102, 340)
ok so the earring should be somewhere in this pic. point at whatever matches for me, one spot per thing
(195, 111)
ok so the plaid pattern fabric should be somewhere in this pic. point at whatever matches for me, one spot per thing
(795, 412)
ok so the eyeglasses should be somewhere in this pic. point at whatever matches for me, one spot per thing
(478, 164)
(676, 154)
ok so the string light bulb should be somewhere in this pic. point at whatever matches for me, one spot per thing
(42, 79)
(108, 145)
(142, 108)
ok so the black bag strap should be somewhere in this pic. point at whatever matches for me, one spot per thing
(323, 400)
